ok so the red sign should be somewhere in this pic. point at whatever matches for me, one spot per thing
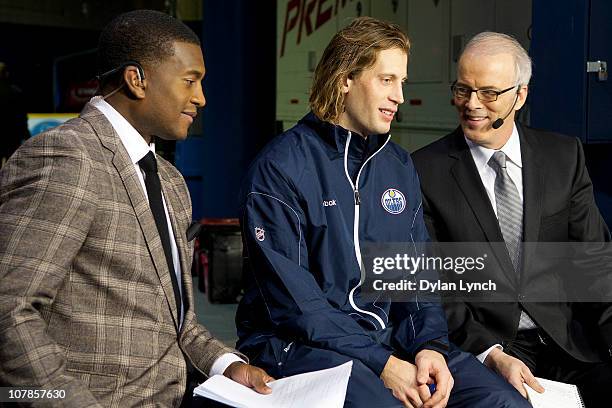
(301, 14)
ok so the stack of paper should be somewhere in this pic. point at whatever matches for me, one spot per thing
(556, 395)
(324, 388)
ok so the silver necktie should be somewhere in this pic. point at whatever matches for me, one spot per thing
(510, 218)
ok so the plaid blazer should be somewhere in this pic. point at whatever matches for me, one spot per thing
(86, 300)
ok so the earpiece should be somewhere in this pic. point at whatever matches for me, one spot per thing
(140, 73)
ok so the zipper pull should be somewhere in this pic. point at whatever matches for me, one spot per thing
(357, 199)
(541, 339)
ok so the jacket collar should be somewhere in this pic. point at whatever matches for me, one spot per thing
(466, 175)
(337, 136)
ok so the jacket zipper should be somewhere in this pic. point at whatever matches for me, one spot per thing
(355, 188)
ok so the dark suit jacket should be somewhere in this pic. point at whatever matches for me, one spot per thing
(86, 299)
(558, 207)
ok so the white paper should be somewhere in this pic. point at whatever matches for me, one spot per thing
(323, 388)
(556, 395)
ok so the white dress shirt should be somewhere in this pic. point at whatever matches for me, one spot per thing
(138, 148)
(514, 167)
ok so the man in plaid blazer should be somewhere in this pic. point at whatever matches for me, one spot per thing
(88, 293)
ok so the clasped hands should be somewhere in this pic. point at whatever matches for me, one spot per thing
(409, 382)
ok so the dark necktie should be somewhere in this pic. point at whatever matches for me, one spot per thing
(149, 165)
(510, 217)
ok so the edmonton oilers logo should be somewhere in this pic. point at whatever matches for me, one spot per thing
(393, 201)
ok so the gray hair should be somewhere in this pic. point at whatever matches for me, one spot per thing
(491, 43)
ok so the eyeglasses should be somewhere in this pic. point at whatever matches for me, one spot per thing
(484, 95)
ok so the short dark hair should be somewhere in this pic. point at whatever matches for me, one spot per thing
(144, 36)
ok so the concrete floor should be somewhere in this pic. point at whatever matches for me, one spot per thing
(217, 318)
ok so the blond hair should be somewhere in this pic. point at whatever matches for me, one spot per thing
(351, 51)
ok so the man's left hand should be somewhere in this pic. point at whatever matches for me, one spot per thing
(250, 376)
(432, 368)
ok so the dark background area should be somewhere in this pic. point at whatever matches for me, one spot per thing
(30, 50)
(49, 47)
(50, 51)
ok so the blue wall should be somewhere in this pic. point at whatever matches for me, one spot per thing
(239, 42)
(559, 51)
(563, 97)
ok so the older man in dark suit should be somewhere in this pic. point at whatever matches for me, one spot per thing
(494, 180)
(95, 288)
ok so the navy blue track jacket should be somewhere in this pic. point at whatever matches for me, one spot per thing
(310, 198)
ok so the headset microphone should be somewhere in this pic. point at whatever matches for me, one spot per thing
(500, 121)
(139, 73)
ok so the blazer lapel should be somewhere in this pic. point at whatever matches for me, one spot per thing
(176, 209)
(127, 173)
(467, 178)
(532, 192)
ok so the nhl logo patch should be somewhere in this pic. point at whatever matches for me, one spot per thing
(393, 201)
(260, 233)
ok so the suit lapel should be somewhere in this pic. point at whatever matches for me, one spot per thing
(175, 202)
(127, 173)
(468, 180)
(532, 192)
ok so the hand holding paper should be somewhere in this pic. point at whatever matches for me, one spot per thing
(249, 376)
(513, 370)
(323, 388)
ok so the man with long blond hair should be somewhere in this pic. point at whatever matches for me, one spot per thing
(312, 199)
